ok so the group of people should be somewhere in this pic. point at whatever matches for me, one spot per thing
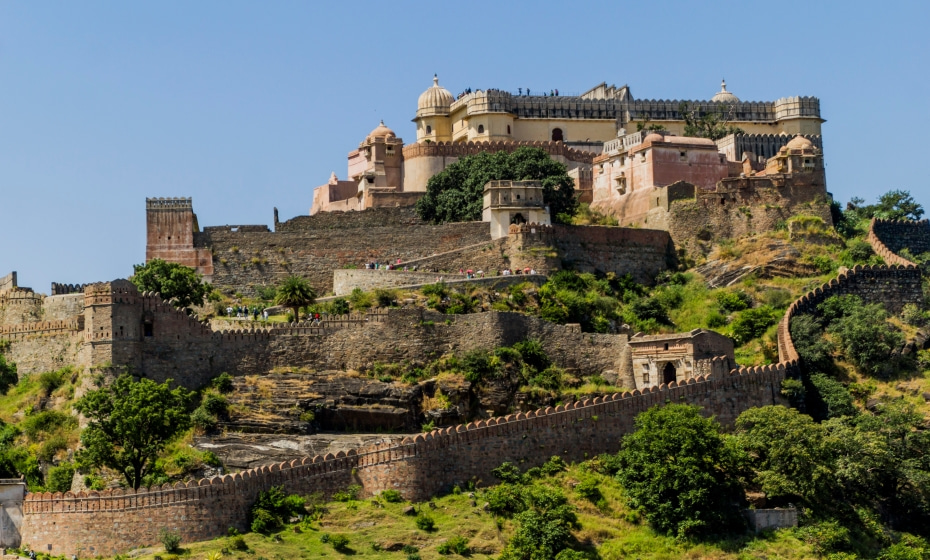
(527, 270)
(552, 92)
(388, 266)
(247, 312)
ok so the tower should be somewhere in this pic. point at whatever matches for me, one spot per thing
(432, 120)
(170, 226)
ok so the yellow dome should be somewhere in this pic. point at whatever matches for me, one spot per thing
(724, 96)
(800, 143)
(434, 101)
(381, 131)
(653, 137)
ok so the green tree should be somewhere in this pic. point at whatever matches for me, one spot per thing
(130, 422)
(8, 376)
(894, 205)
(455, 194)
(677, 467)
(866, 339)
(171, 280)
(714, 125)
(295, 292)
(543, 525)
(791, 456)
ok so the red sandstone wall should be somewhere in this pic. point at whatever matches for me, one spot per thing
(112, 521)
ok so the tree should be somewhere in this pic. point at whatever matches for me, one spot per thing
(295, 292)
(791, 455)
(714, 125)
(8, 376)
(131, 422)
(456, 193)
(894, 205)
(171, 280)
(866, 339)
(677, 467)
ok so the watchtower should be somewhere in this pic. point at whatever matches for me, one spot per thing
(170, 226)
(513, 202)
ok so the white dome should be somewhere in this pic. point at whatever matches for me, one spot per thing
(724, 96)
(434, 101)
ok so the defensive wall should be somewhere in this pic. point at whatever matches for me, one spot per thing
(8, 282)
(889, 237)
(344, 281)
(108, 522)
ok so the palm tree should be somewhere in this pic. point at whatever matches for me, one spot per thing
(295, 292)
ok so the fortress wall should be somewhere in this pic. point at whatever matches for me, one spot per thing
(63, 307)
(114, 520)
(893, 287)
(314, 246)
(344, 281)
(8, 282)
(46, 345)
(20, 306)
(192, 354)
(744, 206)
(889, 237)
(640, 252)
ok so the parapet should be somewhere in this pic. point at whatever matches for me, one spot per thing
(459, 149)
(8, 282)
(65, 289)
(169, 203)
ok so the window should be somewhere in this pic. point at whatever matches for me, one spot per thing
(429, 129)
(666, 344)
(508, 129)
(557, 135)
(480, 129)
(147, 329)
(683, 156)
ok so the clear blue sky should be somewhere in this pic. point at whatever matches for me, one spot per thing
(245, 106)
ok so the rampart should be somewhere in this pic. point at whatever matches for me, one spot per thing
(8, 282)
(889, 237)
(893, 287)
(344, 281)
(65, 289)
(111, 521)
(460, 149)
(640, 252)
(763, 146)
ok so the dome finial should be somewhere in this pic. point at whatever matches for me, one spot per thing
(435, 80)
(723, 85)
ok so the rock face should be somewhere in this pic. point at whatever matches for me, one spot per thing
(247, 451)
(303, 403)
(765, 258)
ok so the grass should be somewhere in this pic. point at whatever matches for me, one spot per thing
(375, 525)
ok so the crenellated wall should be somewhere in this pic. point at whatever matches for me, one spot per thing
(889, 237)
(8, 282)
(112, 521)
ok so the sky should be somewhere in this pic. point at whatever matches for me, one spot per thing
(248, 106)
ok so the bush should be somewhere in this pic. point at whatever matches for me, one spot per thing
(752, 323)
(835, 398)
(825, 537)
(732, 301)
(46, 422)
(508, 472)
(339, 542)
(361, 301)
(913, 315)
(170, 540)
(533, 354)
(385, 297)
(223, 383)
(8, 376)
(553, 466)
(815, 351)
(347, 495)
(215, 404)
(425, 522)
(866, 339)
(455, 545)
(650, 308)
(550, 378)
(588, 489)
(203, 420)
(274, 508)
(238, 543)
(392, 496)
(59, 478)
(480, 365)
(51, 380)
(505, 499)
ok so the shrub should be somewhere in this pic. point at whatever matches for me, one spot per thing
(815, 351)
(273, 508)
(732, 301)
(238, 543)
(866, 339)
(339, 542)
(203, 420)
(752, 323)
(170, 540)
(508, 472)
(215, 404)
(347, 495)
(835, 398)
(715, 320)
(8, 376)
(425, 522)
(505, 499)
(455, 545)
(59, 478)
(825, 537)
(650, 308)
(385, 297)
(533, 354)
(913, 315)
(361, 301)
(51, 380)
(588, 489)
(47, 422)
(392, 496)
(480, 365)
(550, 378)
(553, 466)
(223, 383)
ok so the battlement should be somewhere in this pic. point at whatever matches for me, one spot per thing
(530, 229)
(450, 149)
(65, 289)
(8, 282)
(14, 332)
(889, 237)
(161, 203)
(763, 146)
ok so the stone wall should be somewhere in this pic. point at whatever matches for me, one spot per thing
(889, 237)
(893, 287)
(344, 281)
(314, 246)
(640, 252)
(8, 282)
(20, 306)
(63, 307)
(112, 521)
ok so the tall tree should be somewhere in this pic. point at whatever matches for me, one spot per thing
(455, 194)
(131, 422)
(295, 292)
(714, 125)
(171, 280)
(677, 467)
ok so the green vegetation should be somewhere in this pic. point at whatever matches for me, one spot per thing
(455, 194)
(274, 508)
(714, 125)
(294, 293)
(8, 376)
(130, 422)
(172, 281)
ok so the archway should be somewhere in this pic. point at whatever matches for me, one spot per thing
(518, 219)
(556, 134)
(668, 373)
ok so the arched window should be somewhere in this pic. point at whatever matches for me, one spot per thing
(429, 129)
(668, 373)
(508, 129)
(556, 134)
(480, 129)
